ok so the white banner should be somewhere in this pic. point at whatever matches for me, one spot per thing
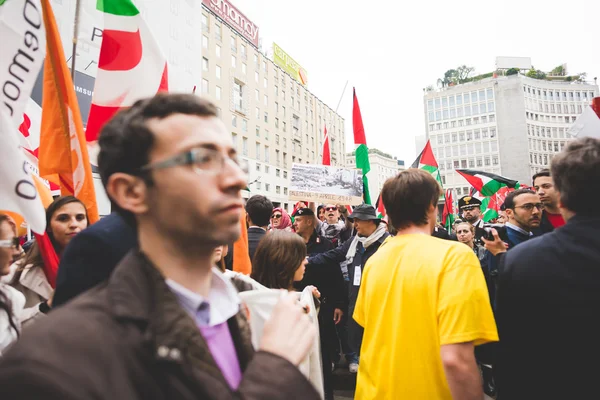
(17, 190)
(23, 49)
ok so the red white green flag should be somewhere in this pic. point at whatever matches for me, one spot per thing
(380, 207)
(448, 214)
(487, 183)
(131, 65)
(427, 162)
(362, 151)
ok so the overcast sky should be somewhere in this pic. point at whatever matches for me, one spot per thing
(390, 52)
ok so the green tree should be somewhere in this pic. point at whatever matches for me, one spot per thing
(512, 71)
(463, 72)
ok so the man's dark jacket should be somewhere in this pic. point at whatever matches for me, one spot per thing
(548, 304)
(91, 257)
(254, 235)
(130, 339)
(337, 256)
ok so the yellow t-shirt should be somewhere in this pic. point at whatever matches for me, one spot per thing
(418, 293)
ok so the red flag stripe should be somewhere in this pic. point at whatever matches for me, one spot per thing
(357, 123)
(326, 152)
(121, 51)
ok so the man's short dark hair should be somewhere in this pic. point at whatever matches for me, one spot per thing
(544, 172)
(509, 201)
(125, 141)
(259, 209)
(408, 196)
(576, 173)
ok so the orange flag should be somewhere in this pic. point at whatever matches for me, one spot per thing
(241, 256)
(63, 148)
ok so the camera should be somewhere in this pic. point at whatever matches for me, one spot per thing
(501, 229)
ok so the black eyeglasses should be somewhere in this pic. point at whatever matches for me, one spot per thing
(10, 243)
(276, 216)
(330, 208)
(530, 206)
(203, 160)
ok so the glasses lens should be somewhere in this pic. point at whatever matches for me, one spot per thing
(330, 209)
(276, 216)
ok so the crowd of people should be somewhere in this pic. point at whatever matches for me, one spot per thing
(145, 304)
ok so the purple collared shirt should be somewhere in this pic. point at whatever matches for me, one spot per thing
(212, 321)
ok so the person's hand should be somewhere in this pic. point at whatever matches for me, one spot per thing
(49, 301)
(337, 315)
(495, 246)
(289, 333)
(342, 209)
(316, 292)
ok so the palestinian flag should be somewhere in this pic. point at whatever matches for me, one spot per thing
(427, 162)
(380, 208)
(448, 214)
(131, 66)
(487, 183)
(362, 151)
(490, 206)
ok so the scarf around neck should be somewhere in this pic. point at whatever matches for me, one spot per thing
(366, 241)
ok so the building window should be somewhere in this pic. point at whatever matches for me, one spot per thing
(245, 146)
(234, 121)
(218, 92)
(218, 31)
(267, 117)
(218, 51)
(296, 124)
(276, 122)
(266, 99)
(284, 173)
(267, 158)
(277, 172)
(204, 42)
(265, 82)
(244, 125)
(258, 167)
(234, 139)
(456, 164)
(238, 98)
(244, 55)
(479, 162)
(284, 126)
(204, 64)
(257, 131)
(204, 86)
(487, 161)
(233, 61)
(233, 45)
(218, 72)
(257, 150)
(244, 68)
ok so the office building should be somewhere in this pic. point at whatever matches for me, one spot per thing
(274, 120)
(507, 125)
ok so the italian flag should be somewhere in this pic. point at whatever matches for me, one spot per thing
(427, 162)
(362, 151)
(487, 183)
(131, 66)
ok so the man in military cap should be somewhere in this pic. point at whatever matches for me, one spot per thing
(471, 212)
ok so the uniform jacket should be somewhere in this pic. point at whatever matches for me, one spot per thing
(547, 313)
(92, 256)
(130, 339)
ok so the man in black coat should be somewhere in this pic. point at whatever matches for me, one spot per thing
(91, 257)
(371, 233)
(549, 292)
(258, 215)
(328, 279)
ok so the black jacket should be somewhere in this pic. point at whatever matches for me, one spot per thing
(254, 235)
(91, 257)
(130, 339)
(548, 303)
(326, 277)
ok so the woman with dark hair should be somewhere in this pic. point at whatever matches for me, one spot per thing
(280, 260)
(11, 300)
(65, 217)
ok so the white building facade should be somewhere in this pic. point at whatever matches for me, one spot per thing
(507, 125)
(383, 166)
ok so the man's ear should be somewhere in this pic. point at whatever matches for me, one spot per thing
(128, 192)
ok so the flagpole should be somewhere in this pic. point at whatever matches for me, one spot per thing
(75, 36)
(341, 97)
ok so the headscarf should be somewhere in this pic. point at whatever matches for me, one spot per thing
(286, 221)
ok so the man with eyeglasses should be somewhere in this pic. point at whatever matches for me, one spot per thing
(549, 292)
(334, 229)
(168, 324)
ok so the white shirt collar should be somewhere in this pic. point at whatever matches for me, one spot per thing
(223, 298)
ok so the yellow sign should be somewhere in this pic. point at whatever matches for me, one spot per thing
(289, 65)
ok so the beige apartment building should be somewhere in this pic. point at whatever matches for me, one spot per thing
(274, 120)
